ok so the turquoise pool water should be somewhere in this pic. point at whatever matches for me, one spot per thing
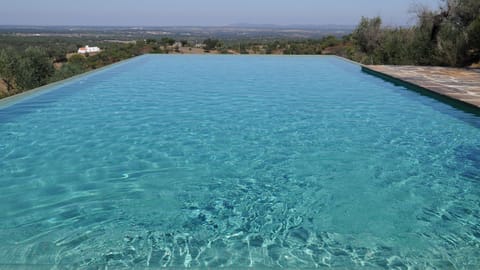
(238, 161)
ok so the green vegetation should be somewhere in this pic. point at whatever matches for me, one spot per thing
(309, 46)
(8, 65)
(23, 69)
(212, 44)
(34, 68)
(449, 36)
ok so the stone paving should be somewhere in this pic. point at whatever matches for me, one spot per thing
(456, 83)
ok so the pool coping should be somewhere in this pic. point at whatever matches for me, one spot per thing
(439, 91)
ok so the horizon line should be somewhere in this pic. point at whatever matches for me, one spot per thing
(234, 25)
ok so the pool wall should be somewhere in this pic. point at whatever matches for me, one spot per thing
(441, 93)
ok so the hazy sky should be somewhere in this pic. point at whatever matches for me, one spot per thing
(203, 12)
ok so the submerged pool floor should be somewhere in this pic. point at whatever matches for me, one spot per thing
(238, 161)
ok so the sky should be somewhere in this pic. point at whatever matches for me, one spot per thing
(205, 12)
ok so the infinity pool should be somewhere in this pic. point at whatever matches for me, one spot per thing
(238, 161)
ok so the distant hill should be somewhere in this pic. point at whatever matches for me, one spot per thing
(296, 26)
(243, 31)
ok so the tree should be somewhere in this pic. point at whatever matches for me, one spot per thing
(452, 32)
(78, 59)
(150, 41)
(8, 67)
(473, 35)
(423, 48)
(467, 15)
(167, 41)
(396, 47)
(34, 68)
(67, 70)
(447, 36)
(211, 44)
(368, 34)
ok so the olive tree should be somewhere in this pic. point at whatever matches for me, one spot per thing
(8, 66)
(34, 68)
(453, 33)
(368, 34)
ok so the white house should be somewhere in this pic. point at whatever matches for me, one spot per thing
(88, 49)
(177, 45)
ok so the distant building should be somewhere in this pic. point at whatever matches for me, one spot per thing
(88, 49)
(177, 45)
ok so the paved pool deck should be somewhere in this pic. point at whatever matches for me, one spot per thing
(456, 83)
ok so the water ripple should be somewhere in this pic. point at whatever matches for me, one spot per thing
(267, 162)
